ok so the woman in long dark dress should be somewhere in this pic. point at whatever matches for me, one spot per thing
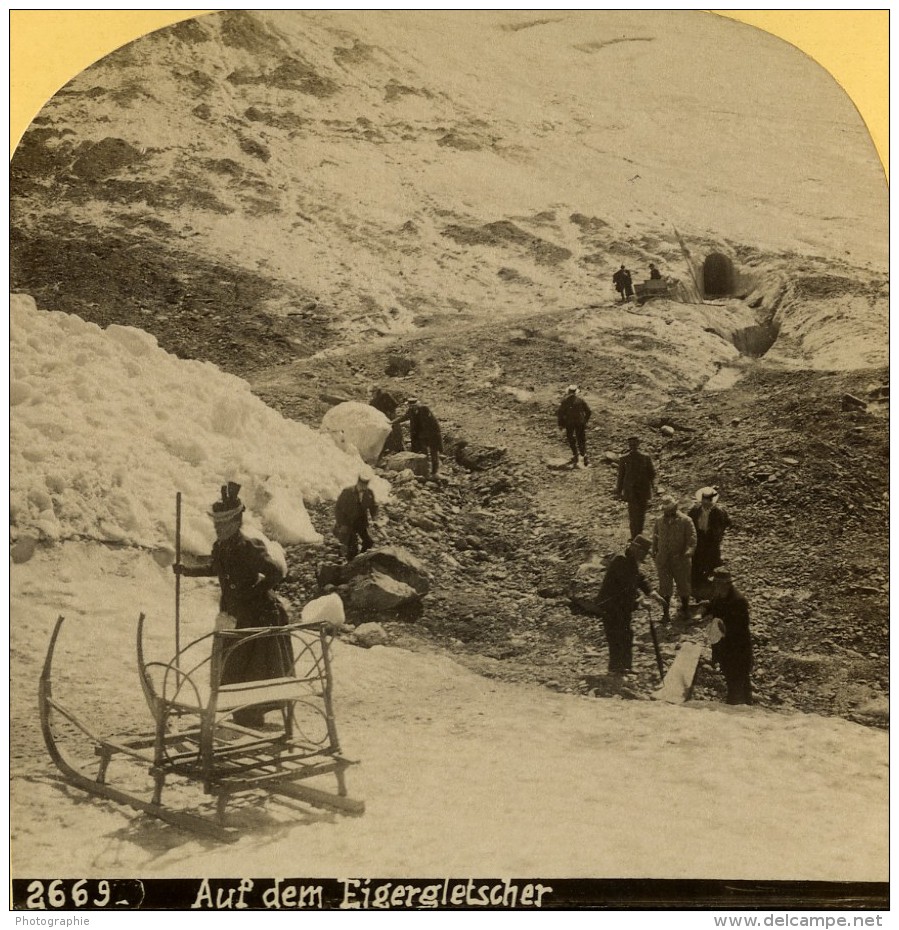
(247, 576)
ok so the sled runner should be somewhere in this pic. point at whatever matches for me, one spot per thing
(195, 739)
(678, 684)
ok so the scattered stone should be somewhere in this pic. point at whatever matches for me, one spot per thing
(851, 402)
(370, 634)
(24, 547)
(425, 523)
(790, 461)
(413, 461)
(328, 575)
(375, 594)
(667, 430)
(474, 457)
(394, 561)
(398, 366)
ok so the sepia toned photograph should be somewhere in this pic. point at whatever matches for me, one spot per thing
(449, 468)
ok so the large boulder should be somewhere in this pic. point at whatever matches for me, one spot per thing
(473, 456)
(368, 595)
(370, 634)
(359, 427)
(393, 561)
(413, 461)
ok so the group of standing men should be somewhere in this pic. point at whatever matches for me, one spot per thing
(686, 549)
(624, 283)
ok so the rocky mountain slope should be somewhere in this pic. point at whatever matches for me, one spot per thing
(303, 197)
(339, 173)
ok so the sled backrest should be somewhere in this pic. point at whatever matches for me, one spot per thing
(226, 671)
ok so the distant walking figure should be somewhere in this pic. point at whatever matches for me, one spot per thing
(623, 284)
(572, 416)
(636, 484)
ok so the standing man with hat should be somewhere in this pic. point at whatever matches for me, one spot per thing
(623, 284)
(636, 484)
(424, 431)
(711, 522)
(572, 416)
(351, 512)
(619, 596)
(729, 634)
(673, 544)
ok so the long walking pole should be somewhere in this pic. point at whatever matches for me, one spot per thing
(178, 578)
(655, 645)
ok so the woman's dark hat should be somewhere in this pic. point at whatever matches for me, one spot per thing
(229, 506)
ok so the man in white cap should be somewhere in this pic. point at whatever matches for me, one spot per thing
(351, 513)
(673, 543)
(711, 522)
(572, 416)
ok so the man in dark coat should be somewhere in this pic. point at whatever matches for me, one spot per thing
(424, 431)
(351, 512)
(654, 273)
(623, 284)
(731, 641)
(619, 595)
(572, 416)
(387, 404)
(247, 575)
(636, 484)
(711, 522)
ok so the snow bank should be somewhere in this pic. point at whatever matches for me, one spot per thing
(106, 427)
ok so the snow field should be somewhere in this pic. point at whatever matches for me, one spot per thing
(106, 426)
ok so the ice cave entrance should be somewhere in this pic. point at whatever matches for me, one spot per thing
(718, 277)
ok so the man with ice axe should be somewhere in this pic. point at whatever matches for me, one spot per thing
(619, 596)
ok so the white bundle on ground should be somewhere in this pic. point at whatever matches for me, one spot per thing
(358, 428)
(106, 427)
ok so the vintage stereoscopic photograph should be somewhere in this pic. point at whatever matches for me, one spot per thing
(449, 467)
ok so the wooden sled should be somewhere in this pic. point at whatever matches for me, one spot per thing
(195, 739)
(678, 683)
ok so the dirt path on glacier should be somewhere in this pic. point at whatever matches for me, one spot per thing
(804, 480)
